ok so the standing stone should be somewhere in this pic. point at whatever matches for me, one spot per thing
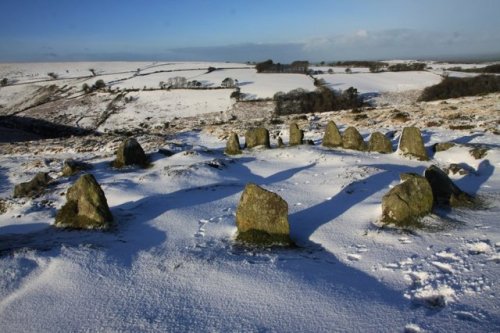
(33, 187)
(445, 192)
(408, 201)
(257, 137)
(411, 143)
(379, 143)
(86, 206)
(71, 167)
(233, 145)
(332, 137)
(296, 135)
(262, 217)
(351, 139)
(130, 152)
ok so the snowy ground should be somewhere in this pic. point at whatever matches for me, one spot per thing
(171, 264)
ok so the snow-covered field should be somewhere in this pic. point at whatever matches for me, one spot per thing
(171, 263)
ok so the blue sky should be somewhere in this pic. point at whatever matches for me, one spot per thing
(39, 30)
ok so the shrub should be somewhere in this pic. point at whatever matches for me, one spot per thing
(99, 84)
(330, 71)
(417, 66)
(85, 87)
(53, 75)
(211, 69)
(493, 69)
(177, 82)
(236, 94)
(453, 87)
(4, 82)
(320, 100)
(227, 83)
(263, 66)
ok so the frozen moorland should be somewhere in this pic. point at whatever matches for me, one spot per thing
(170, 263)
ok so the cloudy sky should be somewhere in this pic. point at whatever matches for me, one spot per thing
(252, 30)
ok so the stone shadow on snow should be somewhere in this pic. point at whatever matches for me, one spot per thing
(158, 204)
(473, 182)
(5, 184)
(305, 222)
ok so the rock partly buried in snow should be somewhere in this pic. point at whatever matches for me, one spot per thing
(478, 152)
(257, 137)
(33, 187)
(455, 168)
(262, 217)
(379, 143)
(233, 145)
(296, 135)
(130, 152)
(445, 192)
(443, 146)
(86, 206)
(411, 143)
(72, 167)
(405, 203)
(332, 137)
(351, 139)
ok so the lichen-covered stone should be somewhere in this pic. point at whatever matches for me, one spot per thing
(443, 146)
(411, 143)
(351, 139)
(257, 137)
(233, 145)
(262, 217)
(71, 167)
(379, 143)
(332, 137)
(86, 206)
(130, 152)
(296, 135)
(33, 187)
(445, 192)
(406, 202)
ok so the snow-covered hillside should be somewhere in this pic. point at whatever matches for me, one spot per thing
(171, 262)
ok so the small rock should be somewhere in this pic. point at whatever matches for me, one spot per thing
(233, 145)
(444, 191)
(33, 187)
(296, 135)
(442, 146)
(166, 152)
(411, 143)
(408, 201)
(478, 152)
(332, 137)
(71, 167)
(379, 143)
(257, 137)
(3, 206)
(86, 206)
(351, 139)
(262, 217)
(130, 152)
(454, 168)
